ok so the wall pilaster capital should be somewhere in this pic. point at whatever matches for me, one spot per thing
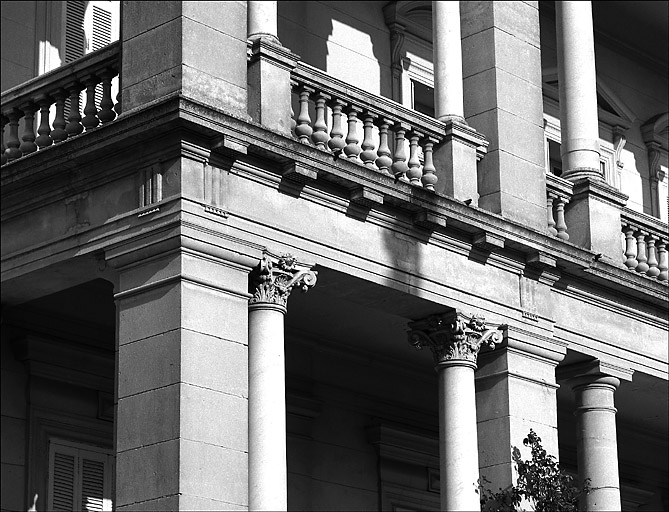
(272, 281)
(454, 337)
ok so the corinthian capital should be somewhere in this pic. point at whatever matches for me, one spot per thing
(275, 277)
(454, 336)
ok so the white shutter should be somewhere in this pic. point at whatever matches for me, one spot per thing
(79, 477)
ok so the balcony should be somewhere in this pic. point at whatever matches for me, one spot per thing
(377, 149)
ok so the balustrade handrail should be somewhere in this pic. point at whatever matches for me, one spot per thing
(313, 77)
(645, 222)
(107, 57)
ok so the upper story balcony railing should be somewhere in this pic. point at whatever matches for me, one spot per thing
(380, 133)
(343, 121)
(57, 95)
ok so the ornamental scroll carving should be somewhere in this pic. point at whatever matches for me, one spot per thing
(274, 278)
(454, 336)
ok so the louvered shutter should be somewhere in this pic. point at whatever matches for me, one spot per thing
(92, 484)
(79, 477)
(75, 37)
(63, 478)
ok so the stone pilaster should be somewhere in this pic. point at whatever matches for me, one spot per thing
(270, 285)
(181, 419)
(168, 50)
(455, 341)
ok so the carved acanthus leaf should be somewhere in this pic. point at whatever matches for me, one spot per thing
(274, 278)
(454, 336)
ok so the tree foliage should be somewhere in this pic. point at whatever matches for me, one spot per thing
(540, 481)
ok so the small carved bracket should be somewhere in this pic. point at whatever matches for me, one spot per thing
(487, 241)
(429, 220)
(540, 260)
(297, 172)
(366, 197)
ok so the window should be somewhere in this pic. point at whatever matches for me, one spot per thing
(79, 477)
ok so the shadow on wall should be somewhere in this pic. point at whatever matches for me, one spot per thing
(308, 28)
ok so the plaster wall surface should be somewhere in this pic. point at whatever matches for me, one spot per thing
(349, 40)
(18, 41)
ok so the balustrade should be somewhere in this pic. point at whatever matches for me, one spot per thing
(363, 128)
(645, 245)
(51, 95)
(558, 194)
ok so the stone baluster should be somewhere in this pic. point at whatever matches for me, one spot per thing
(352, 148)
(652, 271)
(293, 123)
(59, 134)
(414, 174)
(429, 178)
(13, 152)
(90, 111)
(107, 112)
(368, 155)
(43, 139)
(630, 247)
(74, 126)
(560, 223)
(118, 107)
(3, 157)
(384, 160)
(303, 129)
(400, 167)
(28, 139)
(662, 264)
(549, 211)
(320, 135)
(641, 257)
(336, 142)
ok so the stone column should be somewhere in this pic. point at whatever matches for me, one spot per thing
(447, 55)
(594, 384)
(455, 340)
(597, 446)
(262, 20)
(578, 90)
(271, 284)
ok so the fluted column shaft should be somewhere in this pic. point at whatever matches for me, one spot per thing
(578, 90)
(455, 340)
(271, 284)
(447, 55)
(597, 446)
(262, 20)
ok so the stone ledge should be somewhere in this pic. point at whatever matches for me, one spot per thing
(176, 116)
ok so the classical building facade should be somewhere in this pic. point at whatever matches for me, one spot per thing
(228, 226)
